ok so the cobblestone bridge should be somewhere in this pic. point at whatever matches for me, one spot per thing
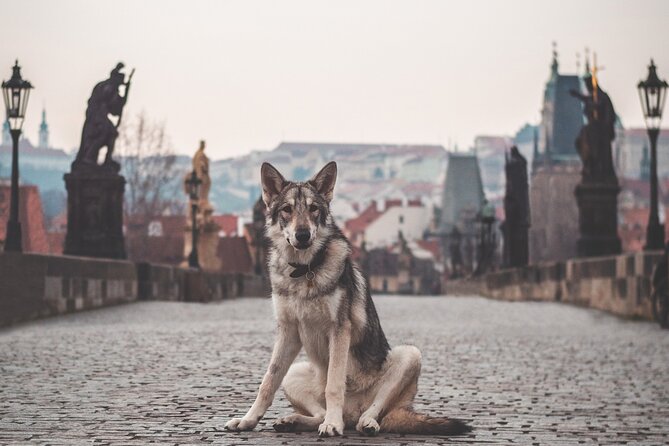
(173, 373)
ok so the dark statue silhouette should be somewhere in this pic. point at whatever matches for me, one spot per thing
(516, 210)
(99, 131)
(596, 194)
(594, 141)
(95, 191)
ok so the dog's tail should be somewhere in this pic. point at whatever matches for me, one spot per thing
(406, 421)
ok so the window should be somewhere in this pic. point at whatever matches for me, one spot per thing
(401, 219)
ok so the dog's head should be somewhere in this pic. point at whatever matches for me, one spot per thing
(298, 210)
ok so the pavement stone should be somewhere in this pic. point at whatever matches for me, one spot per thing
(174, 373)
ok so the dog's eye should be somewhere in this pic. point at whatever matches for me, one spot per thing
(287, 209)
(313, 208)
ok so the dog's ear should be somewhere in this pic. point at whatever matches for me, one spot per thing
(272, 182)
(324, 181)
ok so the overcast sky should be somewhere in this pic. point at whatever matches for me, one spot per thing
(246, 75)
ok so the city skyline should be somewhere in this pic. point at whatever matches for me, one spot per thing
(246, 76)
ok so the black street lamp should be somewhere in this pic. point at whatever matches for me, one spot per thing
(653, 93)
(193, 188)
(15, 92)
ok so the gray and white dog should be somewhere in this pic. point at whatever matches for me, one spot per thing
(322, 303)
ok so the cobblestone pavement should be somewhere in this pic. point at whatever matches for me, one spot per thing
(174, 373)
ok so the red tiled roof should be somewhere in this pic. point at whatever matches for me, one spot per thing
(393, 202)
(639, 188)
(360, 223)
(433, 246)
(235, 255)
(33, 232)
(228, 224)
(166, 246)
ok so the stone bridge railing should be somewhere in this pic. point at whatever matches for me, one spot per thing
(617, 284)
(36, 285)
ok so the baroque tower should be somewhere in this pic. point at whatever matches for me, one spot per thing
(43, 132)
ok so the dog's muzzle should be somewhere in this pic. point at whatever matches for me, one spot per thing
(303, 238)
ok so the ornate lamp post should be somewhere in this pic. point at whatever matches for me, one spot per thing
(653, 93)
(193, 187)
(15, 92)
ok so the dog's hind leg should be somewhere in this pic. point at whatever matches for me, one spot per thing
(397, 387)
(305, 390)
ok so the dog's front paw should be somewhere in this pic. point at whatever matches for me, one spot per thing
(367, 425)
(285, 424)
(240, 424)
(327, 429)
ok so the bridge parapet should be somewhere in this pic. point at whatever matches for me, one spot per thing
(617, 284)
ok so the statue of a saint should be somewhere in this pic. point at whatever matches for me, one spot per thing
(201, 169)
(597, 192)
(99, 131)
(594, 140)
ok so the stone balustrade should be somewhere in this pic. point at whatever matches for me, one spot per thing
(618, 284)
(36, 285)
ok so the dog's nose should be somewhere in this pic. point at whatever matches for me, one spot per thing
(302, 235)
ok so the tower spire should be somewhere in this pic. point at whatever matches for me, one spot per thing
(43, 132)
(554, 64)
(587, 62)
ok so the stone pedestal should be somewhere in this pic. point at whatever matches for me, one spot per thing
(598, 218)
(95, 214)
(207, 245)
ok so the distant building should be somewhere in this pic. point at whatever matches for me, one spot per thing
(634, 158)
(463, 194)
(355, 228)
(41, 165)
(405, 268)
(561, 119)
(34, 237)
(410, 220)
(527, 141)
(556, 170)
(381, 227)
(490, 151)
(43, 133)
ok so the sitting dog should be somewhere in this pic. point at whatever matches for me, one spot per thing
(322, 303)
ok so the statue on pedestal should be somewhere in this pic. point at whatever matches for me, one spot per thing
(206, 228)
(95, 191)
(597, 193)
(516, 210)
(201, 169)
(99, 131)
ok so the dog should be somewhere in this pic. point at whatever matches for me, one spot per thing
(322, 303)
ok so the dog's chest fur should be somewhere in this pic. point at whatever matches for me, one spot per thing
(315, 319)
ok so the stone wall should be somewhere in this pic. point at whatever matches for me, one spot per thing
(617, 284)
(36, 285)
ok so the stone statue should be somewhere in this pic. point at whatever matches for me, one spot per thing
(201, 169)
(99, 131)
(516, 210)
(594, 141)
(597, 193)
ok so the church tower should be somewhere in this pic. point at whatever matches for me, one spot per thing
(43, 132)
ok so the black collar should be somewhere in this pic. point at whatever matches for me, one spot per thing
(301, 269)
